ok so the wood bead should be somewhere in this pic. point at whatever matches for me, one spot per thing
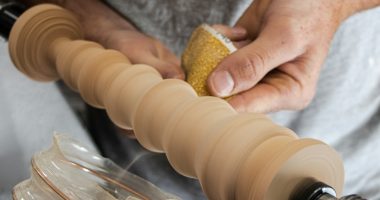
(90, 72)
(66, 55)
(153, 111)
(126, 92)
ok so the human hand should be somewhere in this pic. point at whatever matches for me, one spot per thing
(140, 48)
(279, 69)
(103, 25)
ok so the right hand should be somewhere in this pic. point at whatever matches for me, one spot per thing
(279, 68)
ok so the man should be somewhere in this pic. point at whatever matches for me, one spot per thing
(286, 43)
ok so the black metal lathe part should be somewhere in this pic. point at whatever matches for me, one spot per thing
(311, 189)
(9, 12)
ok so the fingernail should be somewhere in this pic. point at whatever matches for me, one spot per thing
(178, 75)
(237, 30)
(222, 83)
(173, 74)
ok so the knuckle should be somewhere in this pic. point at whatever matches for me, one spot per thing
(305, 98)
(297, 94)
(241, 102)
(253, 66)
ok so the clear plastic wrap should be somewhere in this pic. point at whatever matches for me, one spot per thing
(68, 170)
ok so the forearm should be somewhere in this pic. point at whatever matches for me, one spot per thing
(96, 18)
(354, 6)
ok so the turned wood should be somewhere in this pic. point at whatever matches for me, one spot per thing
(235, 156)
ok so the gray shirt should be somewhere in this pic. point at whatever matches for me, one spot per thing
(345, 111)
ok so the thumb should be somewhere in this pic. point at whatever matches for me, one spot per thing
(244, 68)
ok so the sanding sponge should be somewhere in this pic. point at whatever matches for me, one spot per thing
(206, 48)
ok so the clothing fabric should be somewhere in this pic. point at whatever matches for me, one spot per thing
(345, 111)
(173, 21)
(30, 113)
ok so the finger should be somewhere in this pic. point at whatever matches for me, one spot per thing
(151, 52)
(269, 96)
(244, 68)
(242, 43)
(160, 51)
(168, 69)
(291, 87)
(252, 17)
(233, 33)
(237, 35)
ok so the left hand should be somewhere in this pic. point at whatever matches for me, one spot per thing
(279, 68)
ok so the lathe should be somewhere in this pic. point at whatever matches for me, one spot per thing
(234, 155)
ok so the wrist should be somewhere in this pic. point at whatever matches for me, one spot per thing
(351, 7)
